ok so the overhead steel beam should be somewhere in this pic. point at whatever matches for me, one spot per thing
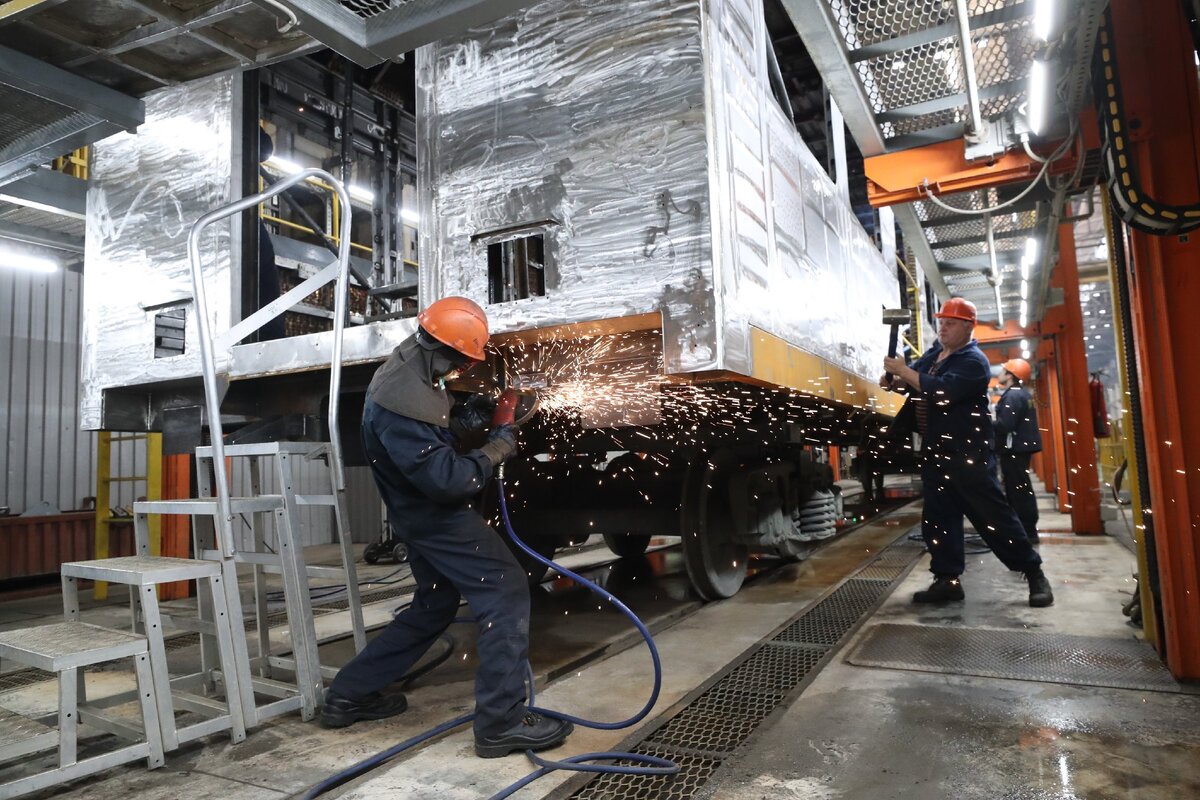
(163, 30)
(29, 234)
(48, 190)
(823, 39)
(914, 237)
(59, 86)
(27, 153)
(948, 102)
(996, 235)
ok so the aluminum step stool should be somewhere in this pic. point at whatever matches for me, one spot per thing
(66, 648)
(143, 573)
(296, 573)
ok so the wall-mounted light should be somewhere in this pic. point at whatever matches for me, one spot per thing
(1025, 354)
(1025, 345)
(283, 165)
(1043, 19)
(409, 216)
(366, 195)
(26, 262)
(1024, 313)
(1024, 289)
(1039, 96)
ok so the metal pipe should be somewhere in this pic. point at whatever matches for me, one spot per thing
(968, 64)
(777, 78)
(208, 362)
(996, 278)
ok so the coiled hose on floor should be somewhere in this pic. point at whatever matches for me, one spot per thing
(585, 762)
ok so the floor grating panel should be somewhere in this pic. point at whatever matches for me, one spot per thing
(1015, 654)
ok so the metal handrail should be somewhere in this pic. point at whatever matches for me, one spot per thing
(207, 362)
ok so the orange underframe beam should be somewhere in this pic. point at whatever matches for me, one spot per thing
(1158, 79)
(901, 177)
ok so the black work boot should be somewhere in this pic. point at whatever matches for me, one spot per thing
(338, 711)
(533, 732)
(944, 589)
(1040, 595)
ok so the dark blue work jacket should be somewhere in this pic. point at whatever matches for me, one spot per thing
(1017, 423)
(419, 467)
(956, 397)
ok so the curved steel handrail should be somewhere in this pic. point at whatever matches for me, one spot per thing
(208, 363)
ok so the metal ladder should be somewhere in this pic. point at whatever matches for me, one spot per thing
(225, 664)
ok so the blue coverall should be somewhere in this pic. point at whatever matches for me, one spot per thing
(426, 484)
(957, 467)
(1017, 439)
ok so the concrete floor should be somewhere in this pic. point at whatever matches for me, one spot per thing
(853, 733)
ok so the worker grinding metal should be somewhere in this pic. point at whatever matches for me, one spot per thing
(947, 404)
(426, 480)
(1017, 439)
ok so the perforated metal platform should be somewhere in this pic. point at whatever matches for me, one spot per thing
(1016, 654)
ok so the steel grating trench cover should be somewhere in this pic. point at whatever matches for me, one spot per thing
(1015, 654)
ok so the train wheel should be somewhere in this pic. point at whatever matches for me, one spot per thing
(627, 546)
(716, 562)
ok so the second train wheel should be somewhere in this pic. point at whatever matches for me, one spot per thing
(716, 562)
(629, 545)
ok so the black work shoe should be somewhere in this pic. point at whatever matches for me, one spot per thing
(338, 711)
(942, 590)
(1040, 595)
(533, 732)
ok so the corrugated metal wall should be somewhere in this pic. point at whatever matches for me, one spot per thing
(44, 456)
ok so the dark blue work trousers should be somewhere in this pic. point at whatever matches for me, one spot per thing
(956, 486)
(453, 553)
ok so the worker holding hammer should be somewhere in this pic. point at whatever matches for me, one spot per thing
(427, 478)
(947, 405)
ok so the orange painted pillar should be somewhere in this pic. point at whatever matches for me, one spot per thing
(176, 530)
(1157, 73)
(835, 461)
(1066, 323)
(1055, 444)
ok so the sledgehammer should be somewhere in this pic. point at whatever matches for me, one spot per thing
(895, 317)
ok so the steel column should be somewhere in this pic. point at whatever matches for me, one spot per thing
(1158, 79)
(1066, 322)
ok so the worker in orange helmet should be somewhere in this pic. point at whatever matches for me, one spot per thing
(947, 404)
(1017, 439)
(427, 478)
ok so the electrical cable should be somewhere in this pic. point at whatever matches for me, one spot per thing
(578, 763)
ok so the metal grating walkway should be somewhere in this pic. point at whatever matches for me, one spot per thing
(1016, 654)
(701, 735)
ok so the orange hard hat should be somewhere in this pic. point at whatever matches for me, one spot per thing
(957, 308)
(458, 323)
(1019, 368)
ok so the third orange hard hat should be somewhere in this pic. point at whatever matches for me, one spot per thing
(1020, 369)
(957, 308)
(459, 323)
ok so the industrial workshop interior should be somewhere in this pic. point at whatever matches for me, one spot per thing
(603, 399)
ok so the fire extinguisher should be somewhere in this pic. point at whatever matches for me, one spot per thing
(1100, 427)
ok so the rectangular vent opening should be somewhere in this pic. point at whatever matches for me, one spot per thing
(517, 269)
(169, 327)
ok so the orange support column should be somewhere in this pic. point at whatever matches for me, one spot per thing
(1157, 73)
(176, 533)
(1053, 444)
(1066, 323)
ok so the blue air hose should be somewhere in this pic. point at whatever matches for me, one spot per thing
(578, 763)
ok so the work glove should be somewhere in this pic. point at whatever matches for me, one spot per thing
(501, 445)
(474, 414)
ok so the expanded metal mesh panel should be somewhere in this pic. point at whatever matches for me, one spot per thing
(369, 8)
(885, 574)
(969, 250)
(977, 228)
(709, 730)
(774, 669)
(914, 75)
(977, 201)
(924, 122)
(24, 677)
(1003, 53)
(866, 22)
(829, 620)
(694, 771)
(1016, 654)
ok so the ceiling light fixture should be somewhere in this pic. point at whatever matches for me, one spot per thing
(1043, 19)
(1039, 96)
